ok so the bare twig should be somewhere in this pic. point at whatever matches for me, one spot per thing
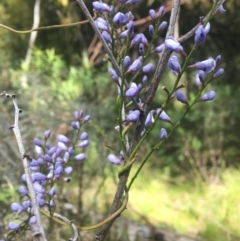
(76, 237)
(41, 233)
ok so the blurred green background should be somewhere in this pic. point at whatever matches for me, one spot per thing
(191, 185)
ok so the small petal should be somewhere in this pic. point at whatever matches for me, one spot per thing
(114, 159)
(23, 190)
(173, 45)
(135, 66)
(127, 62)
(149, 120)
(107, 37)
(163, 134)
(84, 143)
(219, 73)
(13, 226)
(83, 136)
(159, 49)
(161, 11)
(144, 79)
(200, 78)
(200, 35)
(163, 116)
(75, 125)
(174, 64)
(52, 191)
(114, 75)
(151, 29)
(32, 220)
(221, 9)
(162, 26)
(181, 97)
(86, 118)
(152, 13)
(132, 91)
(37, 142)
(133, 116)
(147, 69)
(62, 146)
(120, 18)
(63, 139)
(68, 170)
(210, 95)
(47, 134)
(141, 49)
(80, 157)
(16, 207)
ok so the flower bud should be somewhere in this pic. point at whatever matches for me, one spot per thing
(218, 73)
(80, 157)
(159, 49)
(63, 139)
(151, 29)
(47, 134)
(163, 134)
(200, 35)
(133, 116)
(152, 14)
(173, 45)
(16, 207)
(132, 91)
(162, 26)
(114, 159)
(135, 66)
(126, 62)
(13, 226)
(210, 95)
(181, 97)
(163, 116)
(161, 11)
(147, 69)
(174, 65)
(141, 49)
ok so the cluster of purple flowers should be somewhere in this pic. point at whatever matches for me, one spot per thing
(116, 20)
(51, 164)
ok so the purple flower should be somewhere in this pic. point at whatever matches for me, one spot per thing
(163, 116)
(135, 66)
(141, 49)
(84, 143)
(133, 2)
(149, 120)
(159, 49)
(38, 188)
(80, 157)
(114, 75)
(136, 40)
(161, 11)
(207, 28)
(38, 176)
(63, 139)
(210, 95)
(218, 73)
(163, 134)
(124, 34)
(152, 13)
(83, 136)
(221, 9)
(174, 65)
(52, 191)
(132, 91)
(130, 25)
(107, 37)
(218, 59)
(23, 190)
(200, 35)
(151, 29)
(173, 45)
(200, 78)
(181, 97)
(144, 39)
(126, 62)
(13, 226)
(120, 18)
(58, 171)
(32, 220)
(86, 118)
(101, 7)
(133, 116)
(101, 24)
(75, 125)
(206, 65)
(62, 146)
(68, 170)
(26, 204)
(16, 207)
(162, 26)
(37, 142)
(114, 159)
(66, 156)
(47, 134)
(144, 79)
(147, 69)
